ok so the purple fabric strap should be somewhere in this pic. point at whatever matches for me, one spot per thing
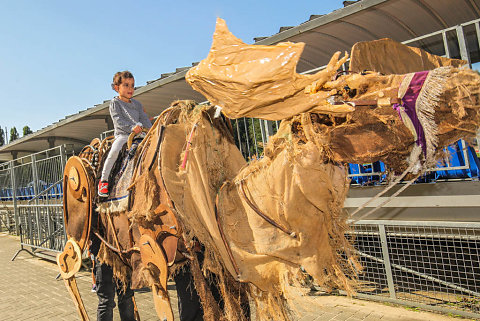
(409, 101)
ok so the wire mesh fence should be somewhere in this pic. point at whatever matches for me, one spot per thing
(433, 265)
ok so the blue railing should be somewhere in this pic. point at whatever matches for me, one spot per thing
(460, 162)
(28, 193)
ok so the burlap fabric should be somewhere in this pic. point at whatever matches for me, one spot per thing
(387, 56)
(261, 80)
(296, 190)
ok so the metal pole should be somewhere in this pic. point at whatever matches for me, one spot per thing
(35, 191)
(262, 131)
(268, 129)
(386, 260)
(477, 31)
(462, 44)
(63, 157)
(14, 196)
(247, 137)
(445, 44)
(465, 153)
(238, 136)
(255, 138)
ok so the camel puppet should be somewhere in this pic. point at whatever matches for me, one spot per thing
(274, 224)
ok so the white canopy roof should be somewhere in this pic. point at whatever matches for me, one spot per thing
(339, 30)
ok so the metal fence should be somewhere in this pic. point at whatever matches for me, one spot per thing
(31, 200)
(7, 217)
(431, 265)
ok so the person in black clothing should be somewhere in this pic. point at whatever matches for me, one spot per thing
(189, 306)
(106, 286)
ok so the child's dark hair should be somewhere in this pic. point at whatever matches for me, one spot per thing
(119, 77)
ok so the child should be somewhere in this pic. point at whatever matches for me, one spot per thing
(128, 116)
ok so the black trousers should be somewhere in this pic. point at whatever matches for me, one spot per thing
(106, 288)
(189, 306)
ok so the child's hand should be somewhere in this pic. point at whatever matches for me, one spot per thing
(137, 129)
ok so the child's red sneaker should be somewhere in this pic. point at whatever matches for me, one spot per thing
(103, 189)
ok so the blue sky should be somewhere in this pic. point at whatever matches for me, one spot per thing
(58, 57)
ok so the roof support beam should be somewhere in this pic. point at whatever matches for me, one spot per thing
(93, 117)
(343, 42)
(396, 21)
(432, 13)
(109, 122)
(474, 6)
(51, 142)
(18, 151)
(53, 138)
(360, 28)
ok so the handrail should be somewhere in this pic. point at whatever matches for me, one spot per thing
(46, 190)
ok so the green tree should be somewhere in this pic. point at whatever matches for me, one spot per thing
(249, 136)
(26, 131)
(2, 137)
(13, 134)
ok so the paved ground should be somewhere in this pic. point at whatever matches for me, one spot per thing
(29, 291)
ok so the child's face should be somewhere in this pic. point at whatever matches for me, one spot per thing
(125, 89)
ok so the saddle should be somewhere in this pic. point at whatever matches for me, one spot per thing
(120, 177)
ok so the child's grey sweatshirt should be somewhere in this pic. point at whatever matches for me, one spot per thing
(126, 116)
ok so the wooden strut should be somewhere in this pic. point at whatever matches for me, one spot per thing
(159, 166)
(69, 262)
(366, 102)
(137, 160)
(71, 284)
(135, 309)
(162, 181)
(113, 248)
(265, 217)
(115, 237)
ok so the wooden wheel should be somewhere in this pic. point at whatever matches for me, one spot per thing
(78, 193)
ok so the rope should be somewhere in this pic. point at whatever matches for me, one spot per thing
(395, 182)
(388, 200)
(262, 215)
